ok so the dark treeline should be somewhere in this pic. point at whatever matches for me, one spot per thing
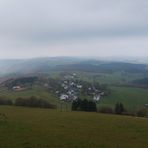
(84, 105)
(21, 81)
(4, 101)
(28, 102)
(120, 110)
(77, 105)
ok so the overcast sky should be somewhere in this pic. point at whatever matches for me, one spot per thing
(38, 28)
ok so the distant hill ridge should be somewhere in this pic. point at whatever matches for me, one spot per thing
(45, 65)
(26, 66)
(105, 67)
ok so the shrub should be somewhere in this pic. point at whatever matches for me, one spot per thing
(142, 112)
(33, 102)
(4, 101)
(108, 110)
(128, 113)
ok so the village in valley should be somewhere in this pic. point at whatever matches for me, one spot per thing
(73, 88)
(68, 87)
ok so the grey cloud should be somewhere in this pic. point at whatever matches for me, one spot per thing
(43, 23)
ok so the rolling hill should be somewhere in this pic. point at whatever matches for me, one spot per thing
(47, 65)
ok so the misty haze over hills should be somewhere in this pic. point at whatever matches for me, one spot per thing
(49, 64)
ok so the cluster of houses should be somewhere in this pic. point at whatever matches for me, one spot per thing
(71, 89)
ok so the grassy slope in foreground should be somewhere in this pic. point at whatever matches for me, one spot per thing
(40, 128)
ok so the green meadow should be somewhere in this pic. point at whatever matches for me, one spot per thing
(36, 90)
(41, 128)
(132, 98)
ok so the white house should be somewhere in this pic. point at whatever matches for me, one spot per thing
(17, 88)
(97, 97)
(65, 82)
(79, 86)
(57, 92)
(75, 97)
(65, 87)
(74, 74)
(63, 97)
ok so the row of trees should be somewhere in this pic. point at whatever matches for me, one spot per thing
(120, 109)
(77, 105)
(84, 105)
(28, 102)
(5, 101)
(88, 105)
